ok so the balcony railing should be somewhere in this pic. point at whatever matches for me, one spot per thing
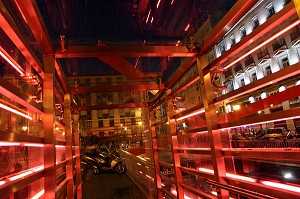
(262, 54)
(295, 34)
(249, 61)
(238, 68)
(279, 44)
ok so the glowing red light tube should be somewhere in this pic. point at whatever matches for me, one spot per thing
(15, 111)
(9, 59)
(38, 195)
(281, 186)
(191, 114)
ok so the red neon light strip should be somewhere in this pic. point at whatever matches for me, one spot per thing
(9, 144)
(21, 144)
(263, 43)
(148, 16)
(281, 119)
(20, 176)
(157, 5)
(187, 27)
(38, 195)
(230, 175)
(267, 183)
(191, 114)
(281, 186)
(5, 56)
(15, 111)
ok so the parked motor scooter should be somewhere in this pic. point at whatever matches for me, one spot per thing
(102, 161)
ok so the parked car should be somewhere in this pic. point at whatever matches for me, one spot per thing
(276, 133)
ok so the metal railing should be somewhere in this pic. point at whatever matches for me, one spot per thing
(141, 172)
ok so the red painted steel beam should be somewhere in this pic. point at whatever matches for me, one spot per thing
(16, 95)
(30, 11)
(61, 77)
(124, 67)
(281, 75)
(251, 109)
(113, 106)
(12, 31)
(124, 51)
(117, 88)
(275, 116)
(259, 32)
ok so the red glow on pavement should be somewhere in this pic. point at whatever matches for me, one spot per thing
(15, 111)
(191, 114)
(263, 43)
(281, 186)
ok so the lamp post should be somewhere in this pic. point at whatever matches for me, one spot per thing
(140, 129)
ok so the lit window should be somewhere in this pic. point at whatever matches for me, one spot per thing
(270, 9)
(232, 38)
(254, 76)
(268, 70)
(242, 82)
(298, 83)
(251, 99)
(263, 95)
(243, 31)
(281, 88)
(255, 22)
(285, 62)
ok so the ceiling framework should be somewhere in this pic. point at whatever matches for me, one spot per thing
(133, 49)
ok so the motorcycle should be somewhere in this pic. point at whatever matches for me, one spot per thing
(103, 161)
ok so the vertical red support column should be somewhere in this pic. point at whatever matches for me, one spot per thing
(77, 155)
(208, 96)
(48, 127)
(155, 158)
(69, 156)
(174, 146)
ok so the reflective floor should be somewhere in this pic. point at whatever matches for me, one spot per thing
(110, 186)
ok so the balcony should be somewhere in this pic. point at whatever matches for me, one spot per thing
(263, 54)
(238, 68)
(295, 35)
(249, 61)
(279, 45)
